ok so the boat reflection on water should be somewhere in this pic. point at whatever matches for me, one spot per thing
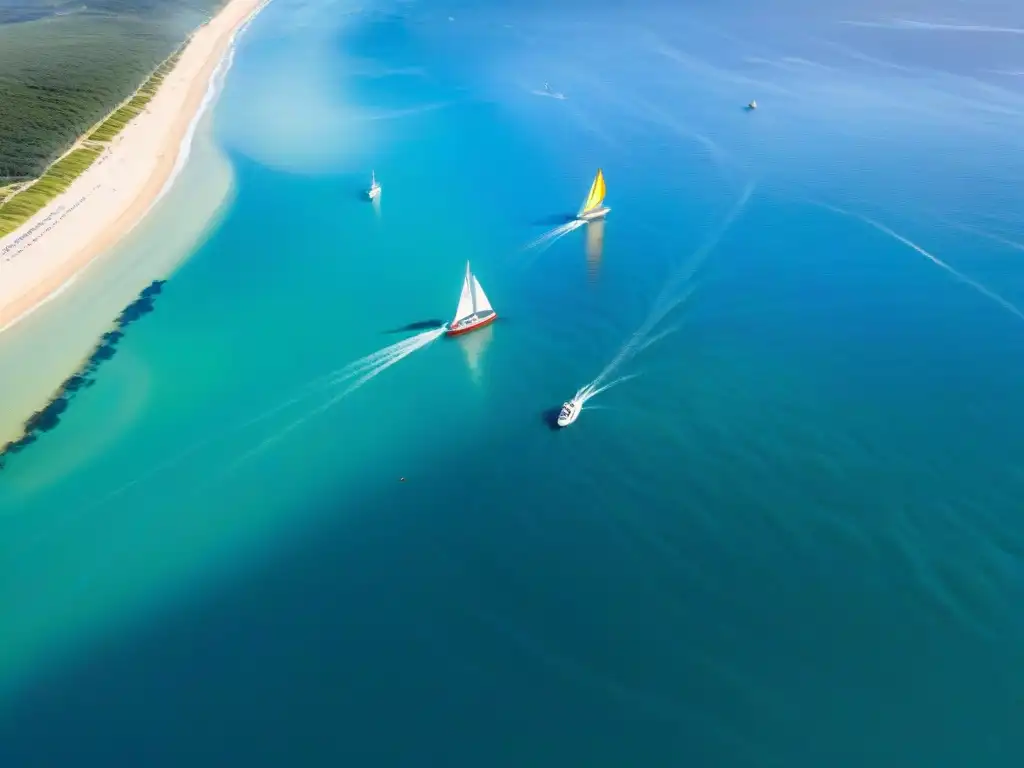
(594, 247)
(593, 212)
(473, 346)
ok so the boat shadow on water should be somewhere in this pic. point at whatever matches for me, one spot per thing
(429, 325)
(47, 418)
(554, 220)
(549, 416)
(419, 325)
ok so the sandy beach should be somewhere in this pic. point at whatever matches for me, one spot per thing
(117, 191)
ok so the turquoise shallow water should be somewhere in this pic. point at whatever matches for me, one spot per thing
(793, 539)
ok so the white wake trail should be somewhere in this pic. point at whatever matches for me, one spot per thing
(588, 391)
(670, 297)
(1013, 244)
(549, 238)
(305, 392)
(960, 276)
(365, 369)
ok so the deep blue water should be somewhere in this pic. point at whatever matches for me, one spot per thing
(794, 538)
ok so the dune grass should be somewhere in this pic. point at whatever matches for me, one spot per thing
(58, 177)
(6, 190)
(117, 121)
(20, 206)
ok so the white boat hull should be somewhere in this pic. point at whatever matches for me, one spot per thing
(373, 193)
(569, 413)
(595, 215)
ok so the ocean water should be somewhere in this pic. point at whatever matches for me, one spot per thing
(793, 537)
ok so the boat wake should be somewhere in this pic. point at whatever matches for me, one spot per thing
(550, 237)
(593, 389)
(591, 205)
(676, 292)
(549, 94)
(355, 375)
(984, 290)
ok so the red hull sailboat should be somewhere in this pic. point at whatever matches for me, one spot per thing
(474, 310)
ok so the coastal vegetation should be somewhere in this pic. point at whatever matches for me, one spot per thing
(64, 65)
(70, 71)
(114, 124)
(21, 206)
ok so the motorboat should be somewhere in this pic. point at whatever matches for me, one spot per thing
(569, 413)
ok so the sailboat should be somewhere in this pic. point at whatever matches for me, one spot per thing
(474, 310)
(593, 207)
(374, 191)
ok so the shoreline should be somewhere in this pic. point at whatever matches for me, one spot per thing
(110, 198)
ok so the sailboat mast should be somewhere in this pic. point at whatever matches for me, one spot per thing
(469, 284)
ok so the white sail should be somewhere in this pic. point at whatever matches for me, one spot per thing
(465, 308)
(480, 302)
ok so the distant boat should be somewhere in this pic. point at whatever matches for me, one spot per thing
(569, 413)
(474, 310)
(752, 106)
(374, 191)
(593, 207)
(548, 92)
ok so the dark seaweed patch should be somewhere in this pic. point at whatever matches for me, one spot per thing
(48, 417)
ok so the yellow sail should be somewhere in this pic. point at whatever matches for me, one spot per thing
(597, 192)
